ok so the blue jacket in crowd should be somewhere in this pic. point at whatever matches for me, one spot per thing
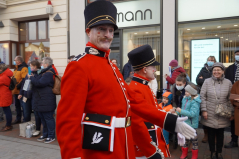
(191, 109)
(127, 69)
(44, 99)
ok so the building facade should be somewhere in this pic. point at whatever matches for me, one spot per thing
(186, 30)
(28, 30)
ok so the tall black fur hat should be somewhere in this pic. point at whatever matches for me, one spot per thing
(100, 12)
(141, 57)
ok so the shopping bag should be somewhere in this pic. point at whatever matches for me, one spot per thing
(27, 85)
(23, 127)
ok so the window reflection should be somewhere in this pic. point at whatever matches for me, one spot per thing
(133, 38)
(225, 30)
(36, 51)
(22, 29)
(32, 30)
(4, 52)
(41, 29)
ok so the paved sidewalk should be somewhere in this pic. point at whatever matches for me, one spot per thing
(203, 152)
(16, 148)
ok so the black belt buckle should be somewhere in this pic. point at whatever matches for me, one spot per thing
(128, 121)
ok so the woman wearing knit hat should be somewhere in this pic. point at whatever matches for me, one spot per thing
(175, 71)
(214, 91)
(190, 108)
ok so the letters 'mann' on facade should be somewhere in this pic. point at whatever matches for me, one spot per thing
(133, 17)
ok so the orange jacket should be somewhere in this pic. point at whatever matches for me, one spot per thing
(166, 108)
(92, 84)
(19, 74)
(141, 136)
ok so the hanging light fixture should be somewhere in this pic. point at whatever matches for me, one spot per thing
(49, 8)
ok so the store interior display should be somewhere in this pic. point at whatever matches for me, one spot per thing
(225, 30)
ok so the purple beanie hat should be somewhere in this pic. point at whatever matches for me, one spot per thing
(173, 63)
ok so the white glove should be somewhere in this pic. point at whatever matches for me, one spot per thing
(184, 129)
(181, 139)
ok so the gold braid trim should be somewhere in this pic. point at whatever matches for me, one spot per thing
(100, 16)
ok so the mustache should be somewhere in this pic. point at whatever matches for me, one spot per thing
(108, 39)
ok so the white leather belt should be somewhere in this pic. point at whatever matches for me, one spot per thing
(122, 122)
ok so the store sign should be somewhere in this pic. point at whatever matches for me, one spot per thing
(138, 13)
(201, 50)
(191, 10)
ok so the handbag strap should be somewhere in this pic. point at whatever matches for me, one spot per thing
(213, 83)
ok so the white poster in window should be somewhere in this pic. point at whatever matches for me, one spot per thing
(4, 53)
(200, 51)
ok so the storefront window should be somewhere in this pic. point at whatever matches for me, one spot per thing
(115, 49)
(4, 53)
(35, 45)
(197, 41)
(42, 29)
(22, 31)
(35, 51)
(32, 30)
(133, 38)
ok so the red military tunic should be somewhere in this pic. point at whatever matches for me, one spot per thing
(141, 136)
(92, 84)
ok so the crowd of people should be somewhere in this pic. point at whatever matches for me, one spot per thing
(36, 95)
(214, 85)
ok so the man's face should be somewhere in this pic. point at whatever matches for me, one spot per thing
(44, 64)
(149, 72)
(114, 62)
(17, 61)
(236, 54)
(101, 36)
(69, 60)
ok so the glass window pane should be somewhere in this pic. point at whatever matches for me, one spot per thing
(41, 29)
(4, 53)
(225, 34)
(14, 51)
(48, 25)
(133, 38)
(22, 31)
(32, 30)
(36, 51)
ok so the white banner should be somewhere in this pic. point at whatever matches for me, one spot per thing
(190, 10)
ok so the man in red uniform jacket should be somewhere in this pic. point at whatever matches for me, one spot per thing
(93, 116)
(143, 61)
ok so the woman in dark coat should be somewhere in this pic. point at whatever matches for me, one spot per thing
(44, 100)
(206, 72)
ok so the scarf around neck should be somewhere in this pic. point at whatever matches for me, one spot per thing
(237, 72)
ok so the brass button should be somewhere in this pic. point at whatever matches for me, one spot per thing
(152, 127)
(106, 121)
(106, 17)
(87, 118)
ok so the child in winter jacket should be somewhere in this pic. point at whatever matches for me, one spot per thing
(190, 108)
(167, 106)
